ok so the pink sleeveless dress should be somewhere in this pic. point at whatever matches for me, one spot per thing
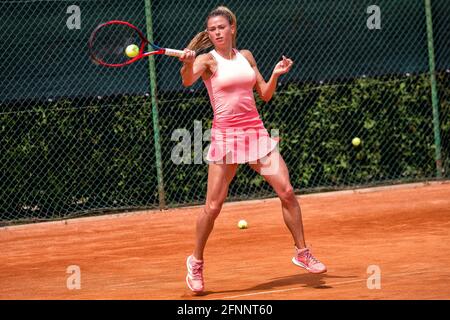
(237, 135)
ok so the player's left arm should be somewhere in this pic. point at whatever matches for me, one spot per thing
(266, 89)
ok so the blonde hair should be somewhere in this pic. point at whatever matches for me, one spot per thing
(201, 41)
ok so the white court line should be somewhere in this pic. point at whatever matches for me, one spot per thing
(326, 284)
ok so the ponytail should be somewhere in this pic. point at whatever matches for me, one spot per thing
(200, 42)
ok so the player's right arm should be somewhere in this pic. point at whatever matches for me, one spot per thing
(193, 67)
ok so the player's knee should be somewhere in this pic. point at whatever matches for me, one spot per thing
(213, 208)
(287, 195)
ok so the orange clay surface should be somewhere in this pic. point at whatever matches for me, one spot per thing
(404, 230)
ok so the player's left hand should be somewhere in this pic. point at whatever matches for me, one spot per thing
(283, 66)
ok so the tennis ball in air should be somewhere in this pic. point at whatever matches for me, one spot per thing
(356, 142)
(132, 51)
(242, 224)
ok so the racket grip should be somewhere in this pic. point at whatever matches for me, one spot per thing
(173, 53)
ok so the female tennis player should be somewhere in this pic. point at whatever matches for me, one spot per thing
(238, 134)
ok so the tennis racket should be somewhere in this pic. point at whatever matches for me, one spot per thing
(109, 41)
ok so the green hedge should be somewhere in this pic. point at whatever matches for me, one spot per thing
(66, 157)
(72, 156)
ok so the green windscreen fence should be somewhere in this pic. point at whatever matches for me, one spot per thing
(77, 138)
(41, 58)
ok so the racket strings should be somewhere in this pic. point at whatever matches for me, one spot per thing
(108, 44)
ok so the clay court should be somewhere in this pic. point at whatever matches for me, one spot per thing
(404, 230)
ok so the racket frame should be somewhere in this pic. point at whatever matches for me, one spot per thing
(144, 42)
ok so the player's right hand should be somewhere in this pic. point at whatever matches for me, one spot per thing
(188, 56)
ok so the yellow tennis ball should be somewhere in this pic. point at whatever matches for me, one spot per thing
(242, 224)
(356, 141)
(132, 51)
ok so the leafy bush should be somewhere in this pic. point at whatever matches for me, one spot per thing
(73, 156)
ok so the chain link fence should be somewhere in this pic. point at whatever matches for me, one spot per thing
(77, 138)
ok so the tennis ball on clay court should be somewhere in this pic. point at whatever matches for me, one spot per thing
(242, 224)
(132, 51)
(356, 141)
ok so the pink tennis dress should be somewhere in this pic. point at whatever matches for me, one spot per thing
(237, 135)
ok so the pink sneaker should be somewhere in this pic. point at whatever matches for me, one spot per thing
(194, 278)
(303, 258)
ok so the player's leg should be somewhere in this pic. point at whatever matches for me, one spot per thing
(219, 178)
(275, 172)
